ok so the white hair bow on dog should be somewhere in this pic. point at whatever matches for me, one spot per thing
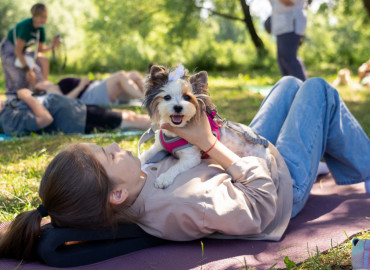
(177, 73)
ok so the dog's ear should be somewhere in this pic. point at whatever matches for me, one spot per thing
(155, 79)
(157, 76)
(199, 82)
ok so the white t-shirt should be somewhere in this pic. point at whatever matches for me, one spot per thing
(287, 19)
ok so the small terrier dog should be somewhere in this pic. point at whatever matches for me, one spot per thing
(177, 99)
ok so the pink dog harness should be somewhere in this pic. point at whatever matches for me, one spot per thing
(172, 145)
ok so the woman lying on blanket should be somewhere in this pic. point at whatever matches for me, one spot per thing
(225, 196)
(106, 92)
(52, 113)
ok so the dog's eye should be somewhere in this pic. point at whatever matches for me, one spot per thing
(187, 97)
(167, 97)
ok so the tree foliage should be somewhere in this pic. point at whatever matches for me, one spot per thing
(107, 35)
(337, 35)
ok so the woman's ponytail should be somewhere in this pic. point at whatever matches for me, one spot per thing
(19, 238)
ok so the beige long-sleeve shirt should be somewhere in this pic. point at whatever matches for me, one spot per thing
(248, 200)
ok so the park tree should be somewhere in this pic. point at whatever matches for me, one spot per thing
(367, 6)
(237, 11)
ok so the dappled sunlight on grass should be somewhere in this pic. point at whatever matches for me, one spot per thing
(233, 100)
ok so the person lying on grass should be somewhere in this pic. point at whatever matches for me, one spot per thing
(105, 92)
(225, 196)
(53, 113)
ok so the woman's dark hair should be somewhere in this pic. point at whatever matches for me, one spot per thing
(38, 9)
(75, 192)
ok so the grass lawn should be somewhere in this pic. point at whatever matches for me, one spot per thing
(237, 97)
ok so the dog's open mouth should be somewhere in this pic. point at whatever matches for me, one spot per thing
(177, 119)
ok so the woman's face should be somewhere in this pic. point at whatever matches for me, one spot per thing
(40, 19)
(122, 167)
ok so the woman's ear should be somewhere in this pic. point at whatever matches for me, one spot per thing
(118, 195)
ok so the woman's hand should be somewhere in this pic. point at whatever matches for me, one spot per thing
(83, 82)
(31, 76)
(57, 40)
(43, 117)
(196, 132)
(200, 134)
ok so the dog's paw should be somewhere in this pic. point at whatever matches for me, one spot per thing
(163, 181)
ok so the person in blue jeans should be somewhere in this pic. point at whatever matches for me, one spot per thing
(308, 121)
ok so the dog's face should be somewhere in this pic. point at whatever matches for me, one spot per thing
(175, 102)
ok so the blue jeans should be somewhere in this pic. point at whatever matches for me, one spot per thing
(308, 121)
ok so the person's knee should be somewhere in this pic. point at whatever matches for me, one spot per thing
(43, 60)
(135, 74)
(316, 83)
(290, 82)
(123, 74)
(318, 88)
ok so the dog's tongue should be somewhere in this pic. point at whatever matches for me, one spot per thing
(176, 119)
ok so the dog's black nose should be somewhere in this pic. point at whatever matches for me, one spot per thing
(177, 108)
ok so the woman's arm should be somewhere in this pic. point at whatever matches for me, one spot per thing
(52, 89)
(56, 43)
(200, 134)
(77, 90)
(43, 117)
(18, 51)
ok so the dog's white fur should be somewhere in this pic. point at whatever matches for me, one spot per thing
(188, 157)
(166, 101)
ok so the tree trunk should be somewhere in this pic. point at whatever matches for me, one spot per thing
(249, 24)
(367, 6)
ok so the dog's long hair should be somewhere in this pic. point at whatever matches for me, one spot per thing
(196, 87)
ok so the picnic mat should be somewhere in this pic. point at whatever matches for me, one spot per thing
(331, 212)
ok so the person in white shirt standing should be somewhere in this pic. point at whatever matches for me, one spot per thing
(288, 23)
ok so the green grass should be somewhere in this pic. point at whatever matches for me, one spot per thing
(22, 162)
